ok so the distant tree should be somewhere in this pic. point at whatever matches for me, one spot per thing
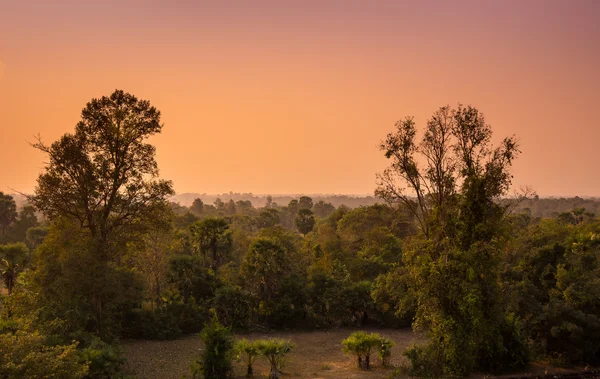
(305, 202)
(197, 207)
(219, 205)
(323, 209)
(13, 259)
(243, 206)
(267, 218)
(263, 268)
(212, 235)
(269, 203)
(231, 208)
(27, 219)
(8, 211)
(305, 221)
(293, 207)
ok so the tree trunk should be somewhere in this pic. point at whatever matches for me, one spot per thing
(274, 374)
(249, 372)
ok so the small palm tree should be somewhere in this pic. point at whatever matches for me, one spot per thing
(247, 351)
(361, 345)
(275, 350)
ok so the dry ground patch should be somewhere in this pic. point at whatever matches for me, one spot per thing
(317, 354)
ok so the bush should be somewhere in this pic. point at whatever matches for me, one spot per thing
(215, 362)
(274, 350)
(385, 350)
(26, 356)
(425, 361)
(103, 360)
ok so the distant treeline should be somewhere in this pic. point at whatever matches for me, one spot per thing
(538, 206)
(259, 201)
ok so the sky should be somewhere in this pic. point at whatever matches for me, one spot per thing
(294, 96)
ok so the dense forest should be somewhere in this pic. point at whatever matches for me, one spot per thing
(101, 252)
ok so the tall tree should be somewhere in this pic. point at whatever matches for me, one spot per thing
(104, 175)
(213, 236)
(452, 182)
(197, 207)
(305, 202)
(305, 221)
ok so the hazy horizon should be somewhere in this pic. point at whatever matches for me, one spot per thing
(287, 98)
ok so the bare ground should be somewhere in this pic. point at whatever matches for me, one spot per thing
(317, 354)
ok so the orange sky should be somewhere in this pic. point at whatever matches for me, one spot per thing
(294, 96)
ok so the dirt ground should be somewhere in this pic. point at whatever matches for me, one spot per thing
(317, 354)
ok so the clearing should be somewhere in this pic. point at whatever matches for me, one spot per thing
(317, 354)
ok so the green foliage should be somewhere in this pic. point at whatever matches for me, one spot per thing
(212, 237)
(275, 350)
(191, 278)
(268, 218)
(102, 360)
(385, 350)
(70, 280)
(247, 351)
(232, 304)
(13, 259)
(453, 266)
(554, 286)
(215, 362)
(361, 345)
(425, 361)
(305, 221)
(25, 355)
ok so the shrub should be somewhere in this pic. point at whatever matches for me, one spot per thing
(425, 361)
(274, 350)
(215, 362)
(247, 351)
(26, 356)
(103, 360)
(385, 350)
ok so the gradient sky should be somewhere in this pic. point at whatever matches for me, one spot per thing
(294, 96)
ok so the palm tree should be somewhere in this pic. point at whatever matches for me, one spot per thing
(13, 259)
